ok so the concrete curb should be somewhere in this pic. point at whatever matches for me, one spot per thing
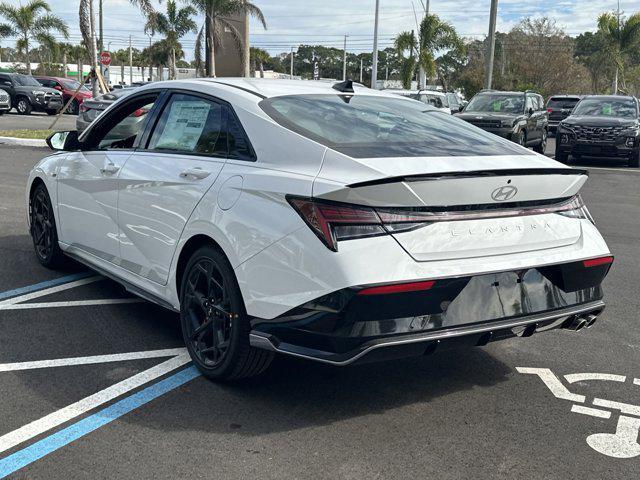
(24, 142)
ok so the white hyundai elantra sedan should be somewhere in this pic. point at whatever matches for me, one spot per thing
(329, 222)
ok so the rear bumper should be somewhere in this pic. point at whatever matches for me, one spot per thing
(345, 327)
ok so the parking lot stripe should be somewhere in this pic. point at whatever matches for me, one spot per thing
(73, 303)
(42, 285)
(87, 425)
(594, 412)
(49, 291)
(623, 407)
(80, 407)
(583, 377)
(115, 357)
(553, 383)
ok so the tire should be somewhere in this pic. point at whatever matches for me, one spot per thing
(562, 157)
(1, 112)
(542, 146)
(521, 138)
(215, 326)
(634, 161)
(52, 112)
(43, 229)
(73, 108)
(23, 106)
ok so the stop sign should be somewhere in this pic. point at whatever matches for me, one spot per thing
(105, 58)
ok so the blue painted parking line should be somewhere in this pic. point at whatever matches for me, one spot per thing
(42, 285)
(53, 442)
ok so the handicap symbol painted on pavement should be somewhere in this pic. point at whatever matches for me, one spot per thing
(621, 444)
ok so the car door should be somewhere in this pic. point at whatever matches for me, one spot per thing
(162, 183)
(88, 180)
(7, 85)
(533, 134)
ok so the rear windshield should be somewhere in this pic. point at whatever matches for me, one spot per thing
(430, 99)
(562, 102)
(606, 107)
(363, 126)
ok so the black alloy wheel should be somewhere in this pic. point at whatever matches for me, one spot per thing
(73, 108)
(43, 229)
(542, 146)
(521, 139)
(215, 326)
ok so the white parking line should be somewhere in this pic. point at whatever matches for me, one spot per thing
(553, 383)
(594, 412)
(583, 377)
(73, 303)
(115, 357)
(49, 291)
(76, 409)
(623, 407)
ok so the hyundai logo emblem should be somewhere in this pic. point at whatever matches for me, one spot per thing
(505, 193)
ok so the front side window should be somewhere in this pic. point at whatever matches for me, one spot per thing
(496, 103)
(192, 125)
(73, 85)
(606, 107)
(364, 126)
(120, 128)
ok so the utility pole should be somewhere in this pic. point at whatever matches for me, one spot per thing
(361, 65)
(615, 82)
(130, 63)
(100, 24)
(344, 60)
(246, 52)
(291, 67)
(374, 67)
(491, 48)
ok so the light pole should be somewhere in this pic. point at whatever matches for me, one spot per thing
(491, 48)
(374, 67)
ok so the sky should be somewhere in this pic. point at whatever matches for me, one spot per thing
(292, 22)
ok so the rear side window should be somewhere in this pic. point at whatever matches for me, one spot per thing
(364, 126)
(191, 125)
(560, 103)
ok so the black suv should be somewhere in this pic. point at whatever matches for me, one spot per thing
(518, 116)
(560, 107)
(601, 126)
(28, 94)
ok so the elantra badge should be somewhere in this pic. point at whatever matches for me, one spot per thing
(505, 193)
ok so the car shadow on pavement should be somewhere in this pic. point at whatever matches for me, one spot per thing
(295, 394)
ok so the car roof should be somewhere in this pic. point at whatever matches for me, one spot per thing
(566, 95)
(488, 92)
(611, 97)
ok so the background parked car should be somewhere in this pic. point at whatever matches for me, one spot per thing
(430, 97)
(456, 102)
(559, 107)
(93, 107)
(602, 126)
(5, 101)
(28, 94)
(518, 116)
(68, 88)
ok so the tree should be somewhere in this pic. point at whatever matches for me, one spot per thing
(173, 25)
(32, 22)
(622, 37)
(217, 22)
(591, 51)
(258, 57)
(434, 35)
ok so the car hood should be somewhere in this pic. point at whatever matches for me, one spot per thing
(487, 116)
(584, 121)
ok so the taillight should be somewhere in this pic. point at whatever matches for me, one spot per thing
(549, 110)
(397, 288)
(332, 222)
(139, 112)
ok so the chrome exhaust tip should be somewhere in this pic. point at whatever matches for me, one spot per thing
(591, 320)
(575, 323)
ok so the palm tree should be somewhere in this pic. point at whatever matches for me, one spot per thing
(217, 23)
(622, 37)
(258, 57)
(32, 22)
(434, 35)
(173, 25)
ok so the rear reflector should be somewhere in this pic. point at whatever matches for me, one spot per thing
(594, 262)
(397, 288)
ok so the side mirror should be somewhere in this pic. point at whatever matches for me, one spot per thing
(460, 108)
(58, 87)
(530, 111)
(7, 83)
(64, 141)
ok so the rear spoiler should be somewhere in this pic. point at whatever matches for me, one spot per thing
(473, 174)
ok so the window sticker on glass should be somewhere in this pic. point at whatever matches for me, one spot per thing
(497, 105)
(606, 109)
(184, 125)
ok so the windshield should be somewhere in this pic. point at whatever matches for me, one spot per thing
(364, 126)
(26, 81)
(453, 99)
(430, 99)
(496, 103)
(562, 103)
(600, 107)
(72, 85)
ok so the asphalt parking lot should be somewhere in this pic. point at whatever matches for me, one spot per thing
(95, 384)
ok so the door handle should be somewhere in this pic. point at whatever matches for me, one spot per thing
(109, 169)
(196, 172)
